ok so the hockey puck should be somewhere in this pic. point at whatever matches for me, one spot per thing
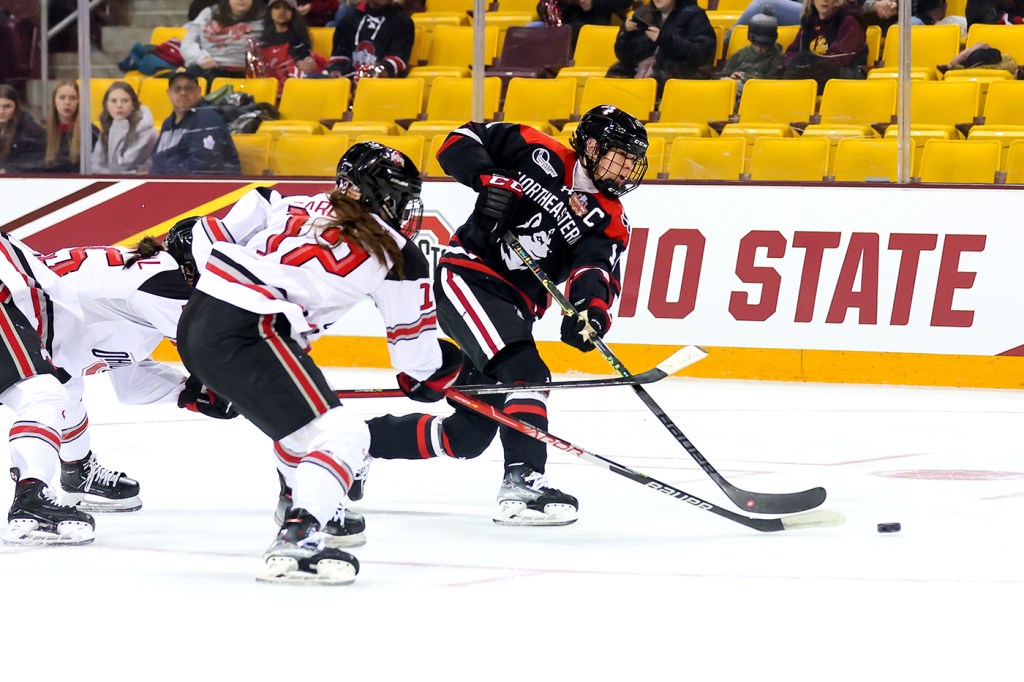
(889, 528)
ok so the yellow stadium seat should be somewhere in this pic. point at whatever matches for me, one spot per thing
(657, 156)
(453, 6)
(431, 168)
(539, 99)
(633, 95)
(594, 53)
(153, 93)
(504, 21)
(873, 37)
(278, 128)
(410, 145)
(767, 107)
(313, 99)
(687, 106)
(308, 155)
(253, 152)
(1015, 163)
(961, 162)
(451, 99)
(261, 89)
(937, 106)
(706, 158)
(791, 159)
(161, 34)
(451, 48)
(323, 40)
(849, 107)
(1007, 38)
(98, 88)
(861, 160)
(354, 129)
(738, 38)
(428, 21)
(524, 6)
(1003, 114)
(428, 129)
(385, 100)
(930, 46)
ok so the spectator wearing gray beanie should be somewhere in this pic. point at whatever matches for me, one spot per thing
(761, 59)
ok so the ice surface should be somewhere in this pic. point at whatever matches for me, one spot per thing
(643, 587)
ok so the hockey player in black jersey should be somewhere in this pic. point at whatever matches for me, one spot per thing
(563, 205)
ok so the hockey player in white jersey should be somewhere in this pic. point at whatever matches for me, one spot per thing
(130, 300)
(29, 386)
(304, 263)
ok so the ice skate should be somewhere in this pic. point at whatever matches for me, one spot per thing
(526, 499)
(92, 487)
(345, 529)
(358, 488)
(36, 518)
(299, 555)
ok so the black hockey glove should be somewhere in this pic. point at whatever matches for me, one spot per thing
(498, 197)
(433, 388)
(593, 316)
(197, 398)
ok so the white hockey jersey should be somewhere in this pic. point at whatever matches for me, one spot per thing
(268, 255)
(125, 313)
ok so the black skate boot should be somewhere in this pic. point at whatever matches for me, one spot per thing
(92, 487)
(36, 518)
(526, 499)
(345, 529)
(298, 555)
(358, 488)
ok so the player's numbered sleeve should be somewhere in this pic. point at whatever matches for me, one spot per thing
(407, 305)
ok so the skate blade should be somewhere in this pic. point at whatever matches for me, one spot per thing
(342, 541)
(515, 513)
(101, 505)
(26, 533)
(285, 570)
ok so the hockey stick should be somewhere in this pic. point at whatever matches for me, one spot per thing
(684, 357)
(807, 519)
(763, 503)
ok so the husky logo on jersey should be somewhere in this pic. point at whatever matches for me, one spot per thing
(542, 158)
(535, 241)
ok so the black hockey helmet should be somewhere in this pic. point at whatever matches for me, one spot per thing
(611, 128)
(178, 243)
(388, 181)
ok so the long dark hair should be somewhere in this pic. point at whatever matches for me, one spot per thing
(355, 224)
(133, 119)
(296, 24)
(8, 130)
(146, 248)
(222, 13)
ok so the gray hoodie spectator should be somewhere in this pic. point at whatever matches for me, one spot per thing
(216, 41)
(127, 134)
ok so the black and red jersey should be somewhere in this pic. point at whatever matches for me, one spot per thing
(575, 233)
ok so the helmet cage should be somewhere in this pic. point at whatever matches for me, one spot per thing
(388, 182)
(613, 130)
(178, 244)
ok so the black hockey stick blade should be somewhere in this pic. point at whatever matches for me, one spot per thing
(814, 519)
(682, 358)
(761, 503)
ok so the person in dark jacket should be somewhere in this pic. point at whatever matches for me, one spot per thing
(375, 35)
(22, 140)
(194, 139)
(994, 12)
(831, 42)
(665, 39)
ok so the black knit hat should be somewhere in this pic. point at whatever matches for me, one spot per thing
(763, 30)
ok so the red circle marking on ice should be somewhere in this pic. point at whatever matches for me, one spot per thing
(951, 474)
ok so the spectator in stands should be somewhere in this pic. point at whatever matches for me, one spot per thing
(933, 12)
(995, 12)
(786, 12)
(127, 134)
(63, 146)
(831, 43)
(22, 140)
(217, 40)
(286, 50)
(578, 13)
(761, 59)
(373, 38)
(881, 13)
(194, 139)
(665, 39)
